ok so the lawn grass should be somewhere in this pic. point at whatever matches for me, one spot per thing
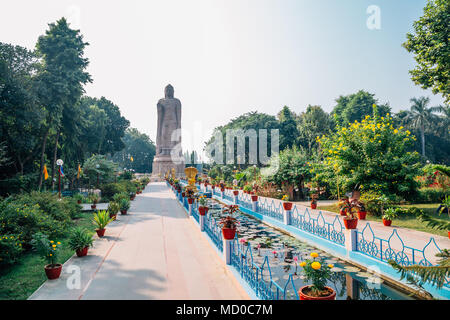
(406, 221)
(19, 281)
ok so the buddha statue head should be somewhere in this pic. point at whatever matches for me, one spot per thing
(169, 91)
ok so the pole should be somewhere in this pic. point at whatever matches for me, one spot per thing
(97, 179)
(59, 182)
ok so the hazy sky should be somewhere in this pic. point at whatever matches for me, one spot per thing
(225, 58)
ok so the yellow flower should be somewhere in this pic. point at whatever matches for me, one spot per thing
(314, 254)
(51, 241)
(315, 265)
(51, 255)
(58, 242)
(330, 266)
(303, 264)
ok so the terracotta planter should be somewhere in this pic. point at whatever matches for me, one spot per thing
(93, 206)
(287, 206)
(183, 194)
(100, 233)
(313, 205)
(350, 223)
(213, 187)
(304, 296)
(362, 215)
(235, 192)
(53, 271)
(254, 198)
(387, 223)
(82, 252)
(132, 198)
(113, 216)
(79, 201)
(202, 210)
(123, 212)
(343, 212)
(222, 189)
(228, 233)
(190, 200)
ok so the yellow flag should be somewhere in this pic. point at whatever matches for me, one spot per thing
(132, 159)
(79, 171)
(45, 172)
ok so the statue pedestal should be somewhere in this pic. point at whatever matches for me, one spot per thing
(163, 163)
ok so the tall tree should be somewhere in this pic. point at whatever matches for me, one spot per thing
(62, 77)
(420, 116)
(355, 107)
(288, 128)
(313, 123)
(430, 46)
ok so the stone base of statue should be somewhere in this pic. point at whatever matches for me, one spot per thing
(162, 164)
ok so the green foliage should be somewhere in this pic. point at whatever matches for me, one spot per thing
(317, 272)
(110, 189)
(48, 249)
(288, 128)
(371, 154)
(312, 124)
(94, 198)
(99, 165)
(80, 238)
(389, 214)
(113, 208)
(102, 219)
(429, 44)
(124, 204)
(10, 249)
(430, 195)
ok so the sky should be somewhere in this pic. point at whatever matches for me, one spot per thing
(225, 58)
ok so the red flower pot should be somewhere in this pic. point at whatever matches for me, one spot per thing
(287, 206)
(113, 216)
(222, 189)
(183, 194)
(123, 212)
(82, 252)
(313, 205)
(100, 233)
(79, 201)
(254, 198)
(53, 271)
(343, 212)
(387, 223)
(350, 223)
(93, 206)
(304, 296)
(235, 192)
(203, 210)
(190, 200)
(362, 215)
(132, 198)
(213, 187)
(228, 233)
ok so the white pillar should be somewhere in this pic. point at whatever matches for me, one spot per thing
(350, 239)
(202, 222)
(227, 248)
(190, 209)
(255, 206)
(222, 193)
(287, 217)
(235, 199)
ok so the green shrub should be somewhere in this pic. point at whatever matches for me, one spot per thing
(110, 189)
(119, 196)
(80, 239)
(10, 249)
(431, 195)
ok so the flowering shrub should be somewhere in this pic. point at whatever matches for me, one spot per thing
(10, 249)
(372, 154)
(48, 249)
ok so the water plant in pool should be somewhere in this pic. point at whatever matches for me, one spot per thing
(258, 242)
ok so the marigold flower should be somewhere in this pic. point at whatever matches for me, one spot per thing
(330, 266)
(302, 264)
(316, 265)
(314, 254)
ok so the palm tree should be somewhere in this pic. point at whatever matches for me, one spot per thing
(420, 116)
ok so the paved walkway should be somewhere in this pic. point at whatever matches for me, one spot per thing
(155, 252)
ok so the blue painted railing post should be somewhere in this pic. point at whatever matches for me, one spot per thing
(227, 249)
(351, 237)
(255, 205)
(287, 217)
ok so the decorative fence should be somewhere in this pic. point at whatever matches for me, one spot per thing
(318, 226)
(271, 209)
(258, 277)
(245, 200)
(214, 232)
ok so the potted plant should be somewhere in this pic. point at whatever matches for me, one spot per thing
(314, 201)
(132, 196)
(101, 219)
(78, 197)
(351, 220)
(229, 223)
(388, 215)
(49, 250)
(247, 189)
(113, 209)
(80, 240)
(361, 209)
(318, 273)
(286, 204)
(93, 197)
(235, 191)
(344, 206)
(124, 205)
(203, 208)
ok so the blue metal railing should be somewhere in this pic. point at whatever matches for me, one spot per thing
(213, 231)
(271, 209)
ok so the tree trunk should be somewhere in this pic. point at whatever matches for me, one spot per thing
(55, 154)
(44, 143)
(422, 136)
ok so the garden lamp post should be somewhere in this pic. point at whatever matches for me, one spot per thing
(97, 166)
(59, 162)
